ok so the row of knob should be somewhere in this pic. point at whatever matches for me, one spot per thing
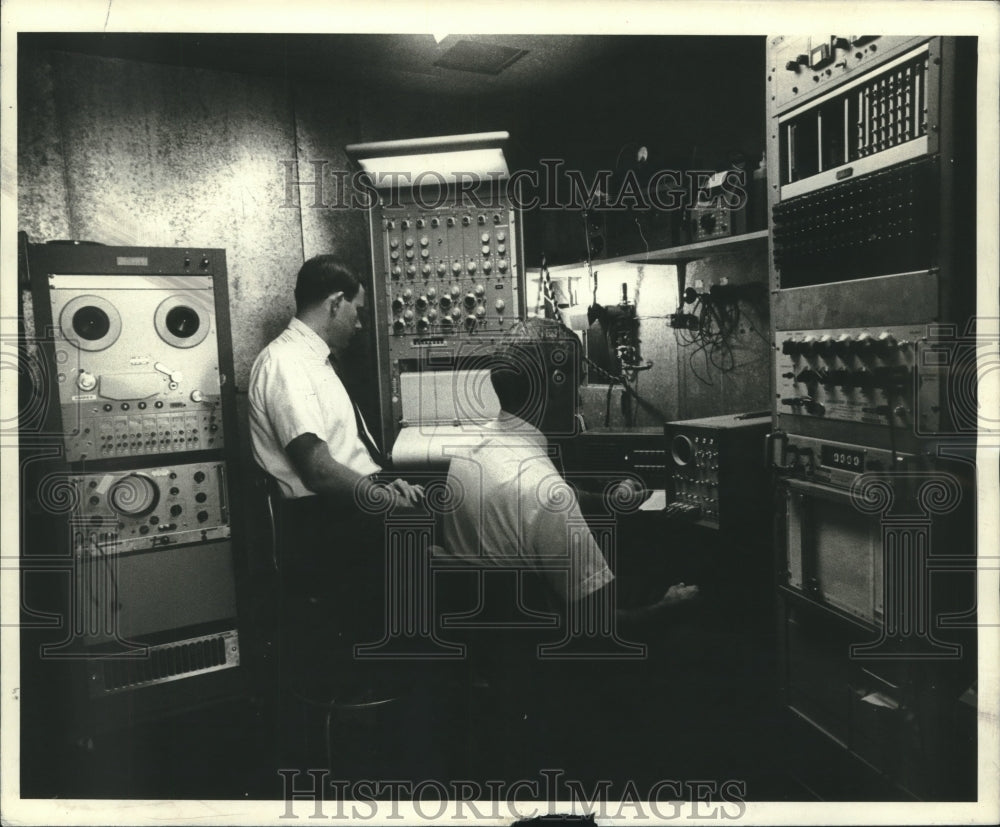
(423, 324)
(485, 239)
(442, 268)
(885, 344)
(883, 378)
(420, 223)
(824, 53)
(425, 300)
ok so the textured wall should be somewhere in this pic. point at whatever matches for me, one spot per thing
(745, 387)
(126, 152)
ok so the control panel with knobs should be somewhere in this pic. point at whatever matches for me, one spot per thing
(461, 255)
(869, 375)
(122, 511)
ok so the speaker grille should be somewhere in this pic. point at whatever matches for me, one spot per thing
(166, 662)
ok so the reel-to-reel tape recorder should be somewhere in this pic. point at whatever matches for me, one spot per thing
(137, 364)
(135, 353)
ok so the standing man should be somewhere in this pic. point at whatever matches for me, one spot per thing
(311, 438)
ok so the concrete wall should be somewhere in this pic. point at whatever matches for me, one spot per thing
(125, 152)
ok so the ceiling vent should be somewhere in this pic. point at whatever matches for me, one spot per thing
(479, 57)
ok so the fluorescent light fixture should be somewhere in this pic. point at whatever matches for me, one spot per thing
(437, 169)
(434, 162)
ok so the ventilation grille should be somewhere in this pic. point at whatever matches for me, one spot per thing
(168, 662)
(482, 58)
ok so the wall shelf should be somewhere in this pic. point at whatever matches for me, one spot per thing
(700, 249)
(678, 255)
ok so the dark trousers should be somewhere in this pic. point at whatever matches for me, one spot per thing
(332, 563)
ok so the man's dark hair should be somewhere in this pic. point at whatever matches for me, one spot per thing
(320, 277)
(518, 366)
(517, 375)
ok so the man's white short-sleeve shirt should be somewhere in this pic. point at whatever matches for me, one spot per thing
(514, 509)
(294, 390)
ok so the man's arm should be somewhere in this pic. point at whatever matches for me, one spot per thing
(319, 472)
(634, 623)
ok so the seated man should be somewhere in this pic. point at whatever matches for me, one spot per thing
(309, 436)
(515, 511)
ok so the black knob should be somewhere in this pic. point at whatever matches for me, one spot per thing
(202, 516)
(791, 347)
(885, 345)
(175, 510)
(843, 345)
(792, 66)
(825, 347)
(199, 476)
(865, 344)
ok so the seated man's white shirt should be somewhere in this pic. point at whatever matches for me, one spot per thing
(293, 391)
(514, 510)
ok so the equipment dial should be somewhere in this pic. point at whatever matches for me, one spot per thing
(470, 301)
(134, 495)
(500, 305)
(502, 265)
(86, 381)
(681, 449)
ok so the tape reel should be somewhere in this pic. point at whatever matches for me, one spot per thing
(181, 322)
(90, 323)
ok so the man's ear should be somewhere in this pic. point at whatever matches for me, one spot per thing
(335, 299)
